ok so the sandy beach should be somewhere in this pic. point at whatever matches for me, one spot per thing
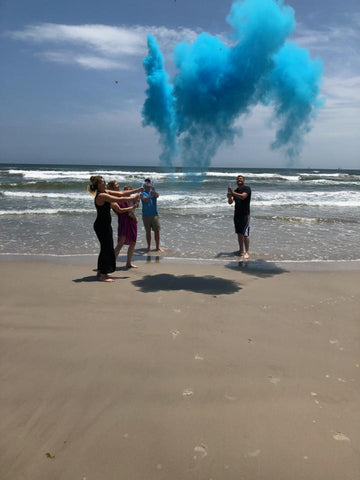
(179, 371)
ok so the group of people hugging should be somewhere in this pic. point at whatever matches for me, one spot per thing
(124, 203)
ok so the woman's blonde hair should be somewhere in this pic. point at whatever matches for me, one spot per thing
(94, 181)
(112, 184)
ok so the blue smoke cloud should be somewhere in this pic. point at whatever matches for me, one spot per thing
(159, 108)
(216, 83)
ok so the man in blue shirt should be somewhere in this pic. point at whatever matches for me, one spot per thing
(150, 214)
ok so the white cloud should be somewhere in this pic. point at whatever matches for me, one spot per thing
(338, 46)
(85, 61)
(103, 38)
(113, 46)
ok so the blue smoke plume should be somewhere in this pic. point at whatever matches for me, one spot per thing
(159, 107)
(216, 83)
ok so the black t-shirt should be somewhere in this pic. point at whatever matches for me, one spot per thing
(242, 207)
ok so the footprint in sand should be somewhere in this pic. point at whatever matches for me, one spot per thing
(175, 333)
(274, 380)
(198, 357)
(230, 398)
(187, 392)
(342, 380)
(177, 310)
(340, 437)
(253, 454)
(334, 341)
(201, 451)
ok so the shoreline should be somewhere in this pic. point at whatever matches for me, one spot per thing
(255, 264)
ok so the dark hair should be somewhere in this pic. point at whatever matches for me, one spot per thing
(94, 181)
(147, 180)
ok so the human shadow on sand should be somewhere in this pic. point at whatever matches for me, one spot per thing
(208, 285)
(227, 255)
(94, 278)
(257, 268)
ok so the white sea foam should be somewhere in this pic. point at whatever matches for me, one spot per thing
(51, 175)
(315, 198)
(211, 200)
(70, 196)
(256, 176)
(323, 174)
(299, 203)
(124, 175)
(84, 175)
(46, 211)
(324, 181)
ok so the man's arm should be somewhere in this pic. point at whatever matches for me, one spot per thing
(152, 194)
(146, 199)
(240, 196)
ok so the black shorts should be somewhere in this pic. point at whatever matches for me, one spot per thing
(242, 225)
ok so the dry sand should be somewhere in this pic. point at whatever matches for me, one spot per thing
(177, 372)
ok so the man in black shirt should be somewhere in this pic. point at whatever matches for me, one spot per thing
(241, 196)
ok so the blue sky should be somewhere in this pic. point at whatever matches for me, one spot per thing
(61, 61)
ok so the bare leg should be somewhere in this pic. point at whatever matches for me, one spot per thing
(129, 256)
(119, 246)
(157, 241)
(148, 239)
(247, 246)
(241, 243)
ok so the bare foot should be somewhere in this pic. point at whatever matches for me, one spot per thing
(246, 255)
(131, 265)
(104, 278)
(159, 249)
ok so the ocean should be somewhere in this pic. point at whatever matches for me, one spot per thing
(296, 214)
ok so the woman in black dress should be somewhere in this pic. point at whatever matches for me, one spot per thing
(102, 225)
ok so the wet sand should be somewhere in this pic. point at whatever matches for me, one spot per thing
(179, 372)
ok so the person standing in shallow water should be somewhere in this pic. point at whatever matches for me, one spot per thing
(242, 197)
(102, 225)
(150, 214)
(127, 223)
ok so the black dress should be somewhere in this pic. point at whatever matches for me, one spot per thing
(103, 230)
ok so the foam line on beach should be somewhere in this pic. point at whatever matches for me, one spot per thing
(46, 211)
(256, 264)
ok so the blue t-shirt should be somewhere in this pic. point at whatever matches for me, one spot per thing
(149, 209)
